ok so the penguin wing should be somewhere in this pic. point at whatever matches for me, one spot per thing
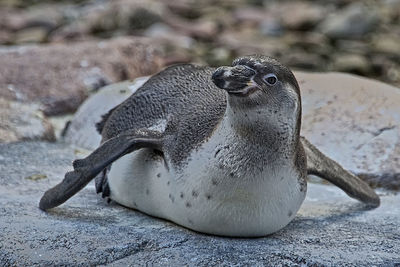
(86, 169)
(328, 169)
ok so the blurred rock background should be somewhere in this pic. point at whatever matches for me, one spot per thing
(55, 54)
(361, 37)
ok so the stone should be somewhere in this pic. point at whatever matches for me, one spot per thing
(300, 15)
(126, 16)
(355, 121)
(6, 37)
(203, 29)
(88, 231)
(353, 63)
(33, 24)
(271, 27)
(81, 130)
(60, 76)
(20, 121)
(387, 44)
(168, 36)
(31, 35)
(249, 41)
(299, 59)
(354, 21)
(313, 43)
(250, 15)
(74, 31)
(352, 47)
(186, 8)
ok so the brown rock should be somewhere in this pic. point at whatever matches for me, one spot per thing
(204, 29)
(354, 120)
(250, 15)
(59, 76)
(31, 35)
(122, 15)
(20, 121)
(388, 44)
(299, 15)
(249, 41)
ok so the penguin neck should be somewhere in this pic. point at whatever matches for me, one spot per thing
(275, 130)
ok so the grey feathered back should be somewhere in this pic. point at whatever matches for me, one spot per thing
(184, 96)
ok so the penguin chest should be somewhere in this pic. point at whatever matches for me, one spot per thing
(233, 197)
(213, 193)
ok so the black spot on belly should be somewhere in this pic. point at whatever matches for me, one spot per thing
(208, 196)
(168, 182)
(134, 204)
(195, 194)
(182, 195)
(188, 205)
(231, 174)
(214, 182)
(190, 221)
(172, 198)
(147, 191)
(290, 213)
(158, 175)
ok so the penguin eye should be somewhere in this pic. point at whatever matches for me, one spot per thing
(270, 79)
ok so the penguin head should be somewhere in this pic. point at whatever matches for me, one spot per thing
(258, 80)
(262, 86)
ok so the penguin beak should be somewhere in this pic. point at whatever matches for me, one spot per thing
(237, 80)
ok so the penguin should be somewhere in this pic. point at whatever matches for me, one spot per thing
(217, 151)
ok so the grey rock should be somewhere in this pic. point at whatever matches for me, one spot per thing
(165, 34)
(354, 21)
(271, 27)
(20, 121)
(330, 229)
(302, 60)
(353, 63)
(352, 47)
(81, 130)
(356, 122)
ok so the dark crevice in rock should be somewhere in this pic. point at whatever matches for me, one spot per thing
(383, 129)
(386, 180)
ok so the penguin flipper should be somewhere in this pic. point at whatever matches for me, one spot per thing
(328, 169)
(86, 169)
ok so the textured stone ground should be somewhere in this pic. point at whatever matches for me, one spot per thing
(330, 230)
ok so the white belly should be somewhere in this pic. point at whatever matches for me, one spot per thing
(209, 195)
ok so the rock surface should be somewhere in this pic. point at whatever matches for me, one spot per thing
(356, 121)
(20, 121)
(82, 131)
(330, 229)
(60, 76)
